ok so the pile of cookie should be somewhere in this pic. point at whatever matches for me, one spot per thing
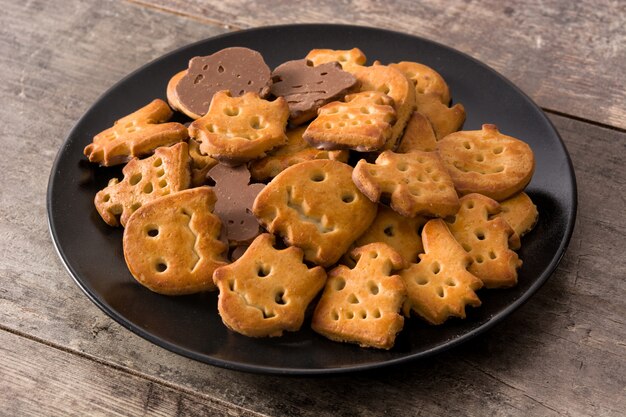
(322, 176)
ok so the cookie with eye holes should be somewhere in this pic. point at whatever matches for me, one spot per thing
(394, 84)
(413, 183)
(315, 206)
(267, 290)
(348, 59)
(236, 130)
(361, 305)
(399, 232)
(171, 244)
(488, 240)
(363, 123)
(487, 162)
(136, 135)
(296, 150)
(165, 172)
(440, 286)
(520, 213)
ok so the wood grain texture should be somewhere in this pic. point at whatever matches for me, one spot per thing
(38, 380)
(563, 353)
(568, 56)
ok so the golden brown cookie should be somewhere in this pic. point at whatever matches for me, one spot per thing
(236, 130)
(267, 290)
(444, 119)
(347, 58)
(295, 151)
(403, 234)
(315, 206)
(488, 240)
(487, 162)
(394, 84)
(425, 79)
(414, 183)
(520, 213)
(136, 135)
(165, 172)
(361, 305)
(418, 135)
(363, 123)
(200, 164)
(171, 244)
(440, 286)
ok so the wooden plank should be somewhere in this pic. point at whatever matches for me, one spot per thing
(38, 380)
(563, 353)
(568, 56)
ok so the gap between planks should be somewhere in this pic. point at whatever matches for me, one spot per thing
(128, 371)
(232, 27)
(197, 18)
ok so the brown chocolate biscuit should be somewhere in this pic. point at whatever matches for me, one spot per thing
(234, 201)
(307, 88)
(239, 70)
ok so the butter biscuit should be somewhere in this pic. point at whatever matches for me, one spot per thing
(266, 291)
(361, 305)
(136, 135)
(413, 184)
(165, 172)
(488, 240)
(171, 244)
(487, 162)
(236, 130)
(439, 286)
(315, 206)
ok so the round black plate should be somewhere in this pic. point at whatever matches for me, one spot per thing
(190, 325)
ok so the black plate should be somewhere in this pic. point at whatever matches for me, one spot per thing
(190, 325)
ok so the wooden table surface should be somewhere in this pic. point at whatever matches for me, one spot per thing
(562, 353)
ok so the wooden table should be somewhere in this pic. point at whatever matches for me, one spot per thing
(562, 353)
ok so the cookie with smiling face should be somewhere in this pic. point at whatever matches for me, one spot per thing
(487, 162)
(267, 290)
(315, 206)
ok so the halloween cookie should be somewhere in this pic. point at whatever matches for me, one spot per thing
(361, 305)
(487, 162)
(363, 123)
(488, 240)
(307, 88)
(136, 135)
(413, 184)
(165, 172)
(236, 130)
(267, 290)
(315, 206)
(171, 244)
(439, 286)
(238, 70)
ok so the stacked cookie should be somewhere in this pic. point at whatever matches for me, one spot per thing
(324, 181)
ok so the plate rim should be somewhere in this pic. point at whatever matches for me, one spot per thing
(273, 370)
